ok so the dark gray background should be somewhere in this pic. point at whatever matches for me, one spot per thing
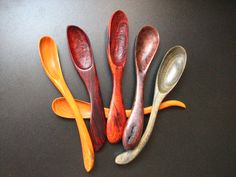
(198, 141)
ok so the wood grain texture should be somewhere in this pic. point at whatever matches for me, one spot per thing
(82, 57)
(146, 46)
(117, 51)
(134, 125)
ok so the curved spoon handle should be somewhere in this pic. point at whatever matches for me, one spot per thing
(116, 117)
(134, 126)
(51, 64)
(61, 108)
(86, 143)
(130, 155)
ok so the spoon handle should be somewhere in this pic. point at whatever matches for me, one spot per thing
(86, 143)
(116, 117)
(134, 126)
(130, 155)
(97, 121)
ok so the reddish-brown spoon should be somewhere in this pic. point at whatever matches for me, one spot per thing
(117, 51)
(146, 45)
(82, 57)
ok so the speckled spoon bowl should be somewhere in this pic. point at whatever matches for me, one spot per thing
(167, 77)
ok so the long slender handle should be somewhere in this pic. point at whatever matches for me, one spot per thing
(134, 126)
(97, 121)
(130, 155)
(116, 118)
(86, 143)
(61, 108)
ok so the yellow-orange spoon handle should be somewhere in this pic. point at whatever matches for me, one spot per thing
(51, 64)
(61, 108)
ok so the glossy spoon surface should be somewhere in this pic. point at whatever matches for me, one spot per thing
(82, 57)
(117, 51)
(51, 64)
(146, 46)
(168, 75)
(61, 108)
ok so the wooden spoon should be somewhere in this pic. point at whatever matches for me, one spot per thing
(50, 62)
(61, 108)
(146, 45)
(117, 51)
(82, 57)
(168, 75)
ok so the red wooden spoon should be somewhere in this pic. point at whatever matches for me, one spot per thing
(146, 45)
(117, 51)
(82, 57)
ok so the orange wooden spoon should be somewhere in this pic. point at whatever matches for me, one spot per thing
(51, 64)
(61, 108)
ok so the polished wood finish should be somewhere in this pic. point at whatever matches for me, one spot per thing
(51, 64)
(61, 108)
(82, 57)
(117, 51)
(146, 46)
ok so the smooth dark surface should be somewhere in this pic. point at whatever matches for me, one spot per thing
(82, 57)
(199, 141)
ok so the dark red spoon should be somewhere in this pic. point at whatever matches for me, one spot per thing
(82, 57)
(146, 46)
(117, 51)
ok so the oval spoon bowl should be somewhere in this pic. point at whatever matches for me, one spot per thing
(118, 38)
(172, 68)
(147, 43)
(80, 47)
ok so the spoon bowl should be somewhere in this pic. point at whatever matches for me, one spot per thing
(172, 69)
(49, 57)
(146, 46)
(79, 44)
(118, 38)
(168, 75)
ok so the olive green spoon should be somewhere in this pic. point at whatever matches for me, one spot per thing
(168, 75)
